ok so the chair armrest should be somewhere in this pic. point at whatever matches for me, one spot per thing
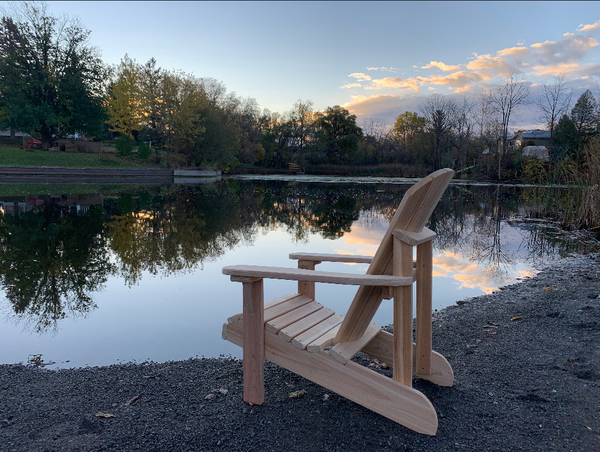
(414, 238)
(352, 258)
(298, 274)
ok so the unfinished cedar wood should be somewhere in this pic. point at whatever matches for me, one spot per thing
(300, 334)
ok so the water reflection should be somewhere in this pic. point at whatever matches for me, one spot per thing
(58, 251)
(53, 260)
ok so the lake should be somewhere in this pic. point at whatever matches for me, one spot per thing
(96, 275)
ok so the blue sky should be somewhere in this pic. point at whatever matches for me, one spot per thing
(377, 59)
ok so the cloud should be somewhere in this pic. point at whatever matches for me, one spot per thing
(568, 70)
(361, 77)
(514, 52)
(384, 106)
(589, 28)
(497, 65)
(456, 80)
(464, 89)
(383, 68)
(568, 50)
(444, 67)
(394, 82)
(351, 85)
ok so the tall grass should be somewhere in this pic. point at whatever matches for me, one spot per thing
(589, 209)
(574, 208)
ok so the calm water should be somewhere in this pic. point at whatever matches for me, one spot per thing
(134, 273)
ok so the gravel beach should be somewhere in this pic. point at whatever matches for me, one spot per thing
(527, 377)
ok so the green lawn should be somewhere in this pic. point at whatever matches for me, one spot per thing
(11, 156)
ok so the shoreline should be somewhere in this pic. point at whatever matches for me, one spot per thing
(527, 377)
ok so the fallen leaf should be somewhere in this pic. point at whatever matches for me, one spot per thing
(548, 288)
(133, 400)
(101, 414)
(378, 364)
(297, 393)
(516, 318)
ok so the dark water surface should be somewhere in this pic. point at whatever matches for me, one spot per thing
(99, 275)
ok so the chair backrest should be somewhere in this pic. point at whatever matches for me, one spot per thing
(412, 215)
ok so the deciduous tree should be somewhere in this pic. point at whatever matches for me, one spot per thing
(338, 133)
(52, 79)
(125, 103)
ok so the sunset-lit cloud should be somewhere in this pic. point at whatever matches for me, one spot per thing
(457, 79)
(514, 52)
(360, 76)
(494, 64)
(442, 66)
(463, 89)
(568, 70)
(589, 28)
(351, 85)
(394, 82)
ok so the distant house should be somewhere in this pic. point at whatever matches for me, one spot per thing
(534, 137)
(537, 152)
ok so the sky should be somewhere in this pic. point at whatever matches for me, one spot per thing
(377, 59)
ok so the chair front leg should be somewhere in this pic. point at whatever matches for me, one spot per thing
(254, 341)
(402, 354)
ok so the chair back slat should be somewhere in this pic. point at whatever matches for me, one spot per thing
(412, 215)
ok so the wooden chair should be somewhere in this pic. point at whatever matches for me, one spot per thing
(300, 334)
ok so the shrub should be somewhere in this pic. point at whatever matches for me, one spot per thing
(124, 145)
(144, 151)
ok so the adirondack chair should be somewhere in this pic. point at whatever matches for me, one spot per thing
(297, 332)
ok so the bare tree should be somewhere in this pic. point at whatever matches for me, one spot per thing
(440, 112)
(506, 98)
(554, 102)
(487, 120)
(463, 130)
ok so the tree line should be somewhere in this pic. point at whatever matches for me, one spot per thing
(53, 83)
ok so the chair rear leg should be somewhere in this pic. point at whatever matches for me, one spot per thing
(424, 301)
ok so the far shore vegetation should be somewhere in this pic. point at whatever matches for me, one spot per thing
(55, 86)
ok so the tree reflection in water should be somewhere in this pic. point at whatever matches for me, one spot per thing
(54, 258)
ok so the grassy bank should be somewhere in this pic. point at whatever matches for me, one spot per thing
(109, 158)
